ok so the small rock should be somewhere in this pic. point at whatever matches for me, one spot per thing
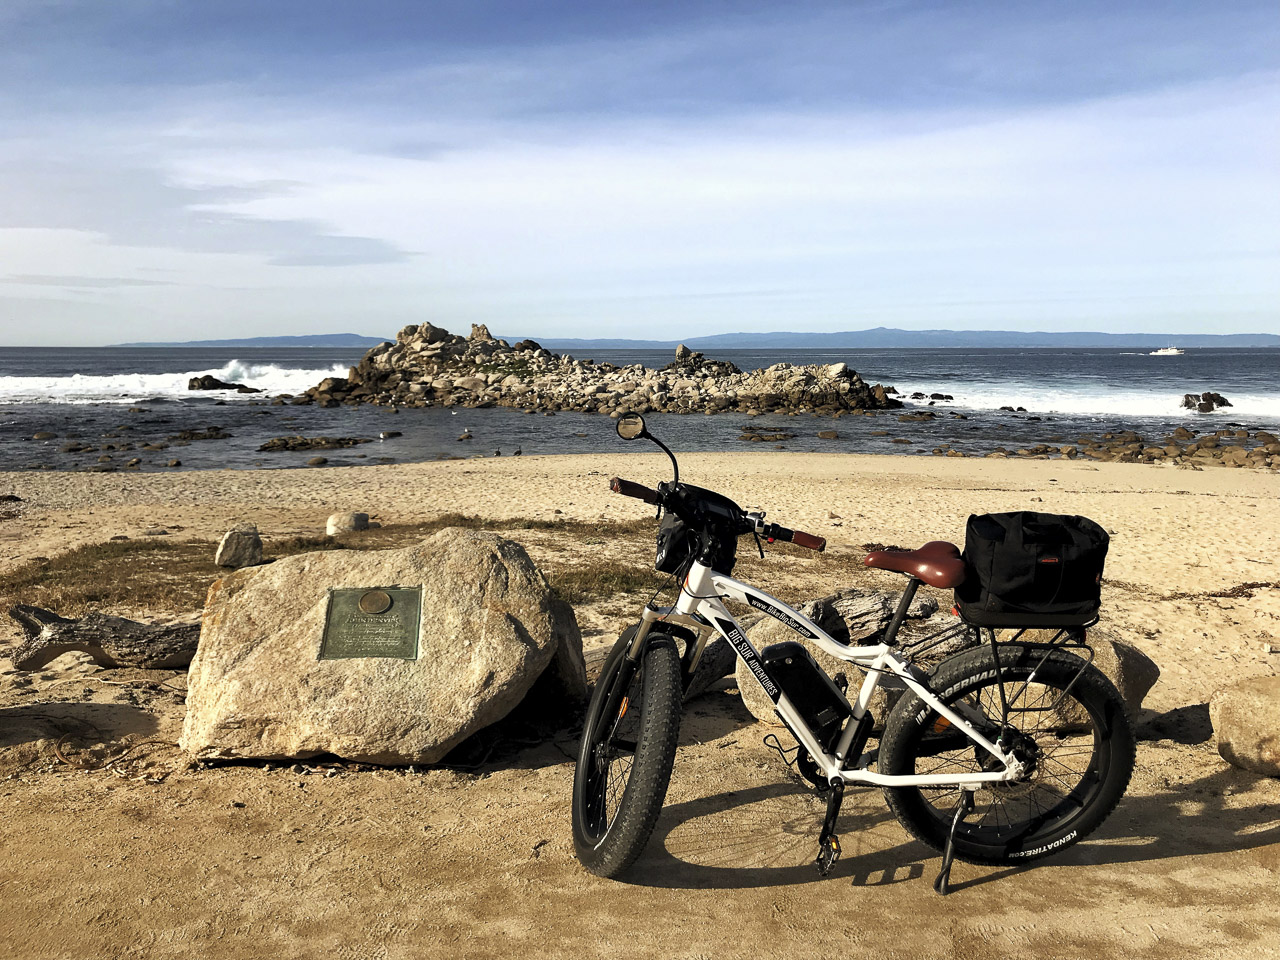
(155, 532)
(317, 461)
(346, 523)
(241, 546)
(1246, 718)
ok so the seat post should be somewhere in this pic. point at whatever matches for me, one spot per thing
(909, 594)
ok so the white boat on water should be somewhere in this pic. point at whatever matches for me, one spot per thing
(1166, 352)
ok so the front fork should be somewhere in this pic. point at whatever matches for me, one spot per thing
(699, 633)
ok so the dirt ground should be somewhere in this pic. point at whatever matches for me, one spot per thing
(155, 857)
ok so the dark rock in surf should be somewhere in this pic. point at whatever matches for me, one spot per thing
(208, 382)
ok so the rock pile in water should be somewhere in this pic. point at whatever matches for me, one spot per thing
(428, 366)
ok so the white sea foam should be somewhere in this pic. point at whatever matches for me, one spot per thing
(1095, 399)
(135, 387)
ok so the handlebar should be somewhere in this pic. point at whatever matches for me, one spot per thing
(773, 531)
(629, 488)
(747, 522)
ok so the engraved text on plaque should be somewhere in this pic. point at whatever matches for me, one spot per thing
(372, 622)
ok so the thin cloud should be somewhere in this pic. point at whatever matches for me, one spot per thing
(62, 280)
(603, 167)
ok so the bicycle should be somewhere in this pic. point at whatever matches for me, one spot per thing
(1003, 753)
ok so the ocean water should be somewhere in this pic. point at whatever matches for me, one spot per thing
(130, 397)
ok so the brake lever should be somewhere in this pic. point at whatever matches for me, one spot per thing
(759, 545)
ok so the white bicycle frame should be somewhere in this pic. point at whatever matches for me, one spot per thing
(700, 608)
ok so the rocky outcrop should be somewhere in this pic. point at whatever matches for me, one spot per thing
(1204, 402)
(1246, 724)
(490, 627)
(427, 366)
(1184, 447)
(208, 382)
(277, 444)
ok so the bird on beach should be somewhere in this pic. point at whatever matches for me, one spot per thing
(466, 434)
(497, 453)
(517, 453)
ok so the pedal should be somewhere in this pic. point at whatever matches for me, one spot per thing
(942, 886)
(828, 854)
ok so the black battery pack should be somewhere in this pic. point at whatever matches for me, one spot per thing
(814, 694)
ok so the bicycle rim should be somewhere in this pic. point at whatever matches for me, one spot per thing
(1054, 732)
(611, 761)
(1068, 727)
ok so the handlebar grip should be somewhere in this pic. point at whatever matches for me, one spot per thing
(629, 488)
(775, 531)
(802, 539)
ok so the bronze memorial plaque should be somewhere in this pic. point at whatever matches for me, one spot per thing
(372, 622)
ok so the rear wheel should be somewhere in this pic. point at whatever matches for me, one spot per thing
(624, 760)
(1067, 726)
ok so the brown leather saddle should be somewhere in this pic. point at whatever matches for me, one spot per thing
(937, 563)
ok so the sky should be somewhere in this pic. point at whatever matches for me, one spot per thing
(182, 169)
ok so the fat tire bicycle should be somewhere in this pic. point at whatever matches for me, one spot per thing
(1003, 753)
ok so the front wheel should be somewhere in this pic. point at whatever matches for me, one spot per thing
(1066, 723)
(624, 760)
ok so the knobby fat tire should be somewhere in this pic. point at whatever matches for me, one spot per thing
(657, 680)
(1102, 784)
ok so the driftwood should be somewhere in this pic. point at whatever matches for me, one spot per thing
(111, 641)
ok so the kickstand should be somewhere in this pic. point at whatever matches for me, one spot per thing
(963, 809)
(828, 842)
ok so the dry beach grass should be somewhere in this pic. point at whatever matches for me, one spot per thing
(148, 858)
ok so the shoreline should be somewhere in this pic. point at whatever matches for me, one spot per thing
(875, 498)
(258, 435)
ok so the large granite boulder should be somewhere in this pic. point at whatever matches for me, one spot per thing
(490, 628)
(1246, 724)
(1131, 670)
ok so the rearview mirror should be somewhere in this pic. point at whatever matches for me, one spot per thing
(630, 426)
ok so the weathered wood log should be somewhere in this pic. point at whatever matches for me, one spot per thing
(111, 641)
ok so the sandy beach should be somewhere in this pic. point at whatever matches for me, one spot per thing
(242, 861)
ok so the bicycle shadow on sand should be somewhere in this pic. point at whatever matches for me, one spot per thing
(767, 835)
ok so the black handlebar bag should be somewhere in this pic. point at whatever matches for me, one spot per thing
(1028, 569)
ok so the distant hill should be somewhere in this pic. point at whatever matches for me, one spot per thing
(313, 340)
(875, 338)
(886, 337)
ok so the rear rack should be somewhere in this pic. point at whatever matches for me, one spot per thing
(964, 636)
(1066, 638)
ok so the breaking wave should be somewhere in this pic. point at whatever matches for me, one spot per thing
(138, 387)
